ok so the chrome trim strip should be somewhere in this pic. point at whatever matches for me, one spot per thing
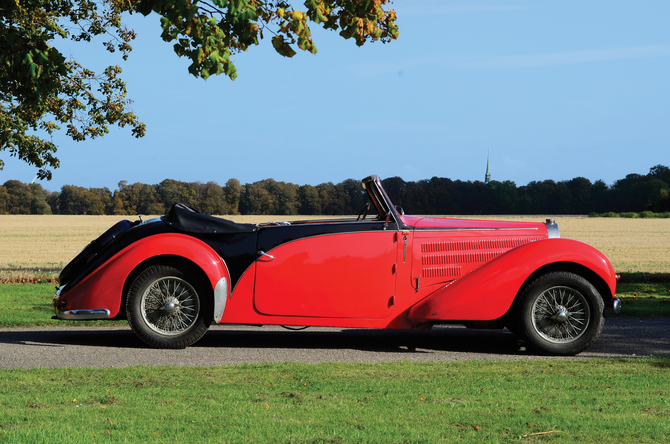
(220, 298)
(83, 314)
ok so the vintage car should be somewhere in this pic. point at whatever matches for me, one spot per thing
(170, 277)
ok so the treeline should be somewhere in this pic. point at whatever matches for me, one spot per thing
(634, 193)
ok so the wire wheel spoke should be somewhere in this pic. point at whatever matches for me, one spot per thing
(560, 314)
(170, 306)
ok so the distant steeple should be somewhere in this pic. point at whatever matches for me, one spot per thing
(487, 177)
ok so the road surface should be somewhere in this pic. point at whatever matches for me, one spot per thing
(222, 345)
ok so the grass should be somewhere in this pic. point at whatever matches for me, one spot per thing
(30, 305)
(605, 401)
(649, 300)
(643, 214)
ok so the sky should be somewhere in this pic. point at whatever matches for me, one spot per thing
(548, 90)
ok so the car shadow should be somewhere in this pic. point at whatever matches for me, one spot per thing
(456, 339)
(370, 340)
(59, 337)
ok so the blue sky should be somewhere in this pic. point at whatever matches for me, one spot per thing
(552, 90)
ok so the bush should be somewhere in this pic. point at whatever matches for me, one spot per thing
(647, 214)
(630, 215)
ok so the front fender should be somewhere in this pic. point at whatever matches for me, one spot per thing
(103, 288)
(487, 292)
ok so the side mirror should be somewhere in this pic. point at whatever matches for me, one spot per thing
(399, 209)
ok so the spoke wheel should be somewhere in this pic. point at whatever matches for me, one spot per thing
(168, 308)
(560, 313)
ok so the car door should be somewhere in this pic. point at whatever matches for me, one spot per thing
(331, 270)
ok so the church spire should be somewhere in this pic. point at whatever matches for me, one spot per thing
(487, 177)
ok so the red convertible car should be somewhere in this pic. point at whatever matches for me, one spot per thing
(170, 277)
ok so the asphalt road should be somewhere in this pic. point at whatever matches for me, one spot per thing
(118, 346)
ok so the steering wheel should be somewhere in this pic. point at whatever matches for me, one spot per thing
(364, 212)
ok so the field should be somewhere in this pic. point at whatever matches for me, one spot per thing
(604, 401)
(47, 243)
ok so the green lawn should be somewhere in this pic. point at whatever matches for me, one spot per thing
(649, 300)
(604, 401)
(31, 305)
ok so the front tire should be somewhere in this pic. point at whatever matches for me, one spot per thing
(168, 308)
(560, 313)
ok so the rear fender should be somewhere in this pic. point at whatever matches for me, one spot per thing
(488, 292)
(104, 287)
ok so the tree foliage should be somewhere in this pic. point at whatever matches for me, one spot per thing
(437, 195)
(42, 92)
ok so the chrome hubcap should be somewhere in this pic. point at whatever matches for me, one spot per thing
(560, 314)
(170, 306)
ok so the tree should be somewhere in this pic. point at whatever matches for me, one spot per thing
(503, 198)
(233, 191)
(284, 196)
(38, 203)
(19, 197)
(139, 198)
(4, 200)
(40, 90)
(395, 187)
(660, 172)
(256, 199)
(600, 198)
(211, 198)
(79, 200)
(176, 191)
(310, 203)
(580, 191)
(333, 199)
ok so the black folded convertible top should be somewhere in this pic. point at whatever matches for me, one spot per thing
(185, 218)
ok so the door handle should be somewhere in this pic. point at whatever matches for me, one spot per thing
(263, 253)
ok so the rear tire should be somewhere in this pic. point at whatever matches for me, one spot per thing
(560, 313)
(168, 307)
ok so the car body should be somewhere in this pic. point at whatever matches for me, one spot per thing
(172, 276)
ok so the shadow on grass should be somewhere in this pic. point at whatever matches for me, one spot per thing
(639, 277)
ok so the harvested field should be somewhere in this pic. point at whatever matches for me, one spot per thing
(31, 243)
